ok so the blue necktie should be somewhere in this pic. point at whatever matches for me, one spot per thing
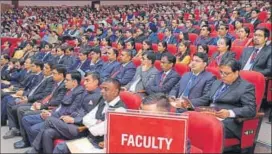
(219, 92)
(189, 86)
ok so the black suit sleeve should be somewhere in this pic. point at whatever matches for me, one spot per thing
(45, 92)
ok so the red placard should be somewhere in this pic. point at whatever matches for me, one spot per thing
(145, 133)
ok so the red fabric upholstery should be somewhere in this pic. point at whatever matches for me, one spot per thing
(269, 91)
(155, 47)
(266, 25)
(214, 71)
(205, 132)
(136, 61)
(193, 50)
(114, 44)
(132, 101)
(250, 26)
(138, 46)
(105, 58)
(181, 68)
(57, 141)
(231, 142)
(262, 16)
(212, 50)
(172, 48)
(160, 36)
(238, 51)
(157, 64)
(192, 37)
(195, 150)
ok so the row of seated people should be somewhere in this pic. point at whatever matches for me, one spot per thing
(57, 105)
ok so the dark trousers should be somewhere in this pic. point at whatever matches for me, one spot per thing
(32, 124)
(21, 112)
(4, 116)
(54, 128)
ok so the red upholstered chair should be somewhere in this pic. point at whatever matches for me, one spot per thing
(58, 141)
(131, 100)
(138, 46)
(136, 61)
(193, 50)
(266, 25)
(262, 16)
(251, 126)
(192, 37)
(105, 58)
(155, 47)
(213, 34)
(172, 48)
(212, 50)
(231, 27)
(160, 36)
(238, 51)
(157, 65)
(250, 26)
(114, 44)
(205, 133)
(214, 71)
(181, 68)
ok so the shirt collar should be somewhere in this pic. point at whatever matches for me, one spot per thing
(166, 73)
(114, 101)
(125, 64)
(39, 73)
(60, 82)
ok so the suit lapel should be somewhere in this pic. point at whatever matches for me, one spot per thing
(231, 87)
(198, 78)
(260, 54)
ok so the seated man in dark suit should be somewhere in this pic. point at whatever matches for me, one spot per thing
(254, 18)
(126, 71)
(144, 74)
(40, 91)
(51, 101)
(83, 63)
(259, 57)
(96, 62)
(46, 55)
(167, 78)
(66, 126)
(194, 84)
(94, 120)
(128, 36)
(61, 57)
(140, 37)
(4, 64)
(189, 27)
(70, 103)
(232, 97)
(109, 67)
(169, 37)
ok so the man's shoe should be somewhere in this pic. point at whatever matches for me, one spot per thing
(31, 151)
(12, 133)
(21, 144)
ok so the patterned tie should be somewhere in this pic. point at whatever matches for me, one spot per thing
(253, 56)
(162, 79)
(220, 91)
(48, 98)
(118, 71)
(189, 86)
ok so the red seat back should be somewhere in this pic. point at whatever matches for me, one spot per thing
(258, 80)
(193, 50)
(192, 37)
(105, 58)
(136, 61)
(181, 68)
(160, 36)
(250, 26)
(138, 46)
(157, 65)
(132, 101)
(114, 44)
(172, 48)
(214, 71)
(238, 51)
(262, 16)
(212, 140)
(212, 50)
(155, 47)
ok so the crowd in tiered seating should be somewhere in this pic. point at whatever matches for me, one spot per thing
(63, 67)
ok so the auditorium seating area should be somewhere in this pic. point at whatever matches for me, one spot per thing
(35, 32)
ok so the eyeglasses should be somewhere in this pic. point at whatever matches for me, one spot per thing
(164, 62)
(224, 74)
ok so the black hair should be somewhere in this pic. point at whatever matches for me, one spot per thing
(115, 82)
(159, 99)
(75, 75)
(150, 56)
(39, 64)
(61, 69)
(169, 29)
(164, 44)
(247, 30)
(232, 63)
(50, 64)
(204, 46)
(187, 45)
(265, 30)
(115, 51)
(94, 75)
(129, 52)
(6, 57)
(148, 42)
(227, 41)
(202, 56)
(171, 58)
(208, 28)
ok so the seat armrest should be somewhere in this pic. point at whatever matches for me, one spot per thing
(258, 115)
(81, 128)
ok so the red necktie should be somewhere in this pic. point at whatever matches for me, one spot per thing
(162, 78)
(254, 55)
(115, 73)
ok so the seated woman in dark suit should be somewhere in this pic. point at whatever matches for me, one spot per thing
(223, 47)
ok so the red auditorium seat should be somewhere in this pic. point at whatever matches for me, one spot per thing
(138, 46)
(131, 100)
(209, 142)
(251, 127)
(213, 34)
(214, 71)
(181, 68)
(136, 61)
(212, 50)
(157, 65)
(250, 26)
(155, 47)
(238, 51)
(114, 44)
(172, 48)
(193, 50)
(266, 25)
(160, 36)
(192, 37)
(104, 58)
(262, 16)
(231, 28)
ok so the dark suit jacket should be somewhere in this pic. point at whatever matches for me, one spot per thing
(4, 72)
(126, 74)
(46, 57)
(140, 38)
(263, 61)
(84, 67)
(239, 97)
(172, 40)
(255, 23)
(226, 55)
(96, 67)
(35, 80)
(71, 102)
(201, 86)
(57, 96)
(128, 40)
(43, 90)
(169, 82)
(17, 76)
(108, 68)
(26, 79)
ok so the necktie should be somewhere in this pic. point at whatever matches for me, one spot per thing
(253, 56)
(220, 91)
(48, 98)
(162, 79)
(115, 73)
(189, 86)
